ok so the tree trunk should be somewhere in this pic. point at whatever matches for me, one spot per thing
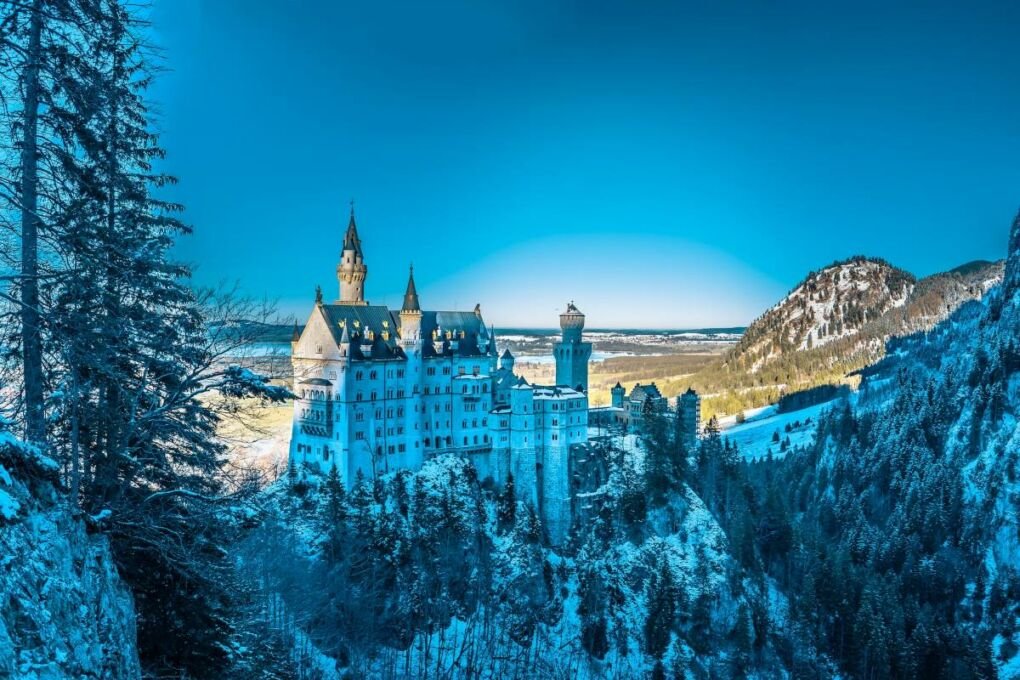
(35, 423)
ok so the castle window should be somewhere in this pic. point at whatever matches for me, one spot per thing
(359, 435)
(400, 373)
(461, 370)
(402, 448)
(463, 423)
(475, 370)
(446, 370)
(431, 370)
(555, 422)
(378, 413)
(485, 389)
(375, 395)
(389, 413)
(318, 349)
(555, 436)
(373, 375)
(325, 453)
(359, 417)
(389, 449)
(448, 389)
(465, 441)
(476, 439)
(400, 412)
(427, 442)
(358, 397)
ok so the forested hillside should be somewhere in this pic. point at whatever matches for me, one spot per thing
(904, 514)
(437, 574)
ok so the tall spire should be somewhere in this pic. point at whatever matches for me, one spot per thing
(411, 296)
(351, 240)
(351, 271)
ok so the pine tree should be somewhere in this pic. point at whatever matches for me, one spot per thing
(130, 340)
(333, 517)
(661, 613)
(506, 506)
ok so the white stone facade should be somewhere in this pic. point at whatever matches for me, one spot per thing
(380, 390)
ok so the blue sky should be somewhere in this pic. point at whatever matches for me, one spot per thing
(663, 164)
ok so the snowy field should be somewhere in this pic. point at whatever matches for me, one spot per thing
(755, 435)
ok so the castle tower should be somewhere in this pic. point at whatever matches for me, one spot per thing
(523, 460)
(571, 352)
(410, 314)
(688, 419)
(411, 342)
(351, 271)
(506, 361)
(617, 394)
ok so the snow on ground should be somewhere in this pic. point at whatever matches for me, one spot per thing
(754, 437)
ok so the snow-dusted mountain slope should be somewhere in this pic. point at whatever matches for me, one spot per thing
(908, 504)
(64, 612)
(850, 308)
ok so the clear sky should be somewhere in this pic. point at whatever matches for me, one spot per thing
(663, 164)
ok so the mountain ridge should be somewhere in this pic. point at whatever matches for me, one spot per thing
(861, 301)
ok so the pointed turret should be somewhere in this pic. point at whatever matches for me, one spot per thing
(411, 295)
(351, 271)
(345, 342)
(410, 316)
(506, 361)
(296, 335)
(351, 240)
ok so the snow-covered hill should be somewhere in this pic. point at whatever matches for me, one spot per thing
(907, 505)
(850, 308)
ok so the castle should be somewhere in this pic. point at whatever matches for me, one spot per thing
(380, 390)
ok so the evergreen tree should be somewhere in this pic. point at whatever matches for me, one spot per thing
(506, 505)
(129, 342)
(662, 597)
(334, 517)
